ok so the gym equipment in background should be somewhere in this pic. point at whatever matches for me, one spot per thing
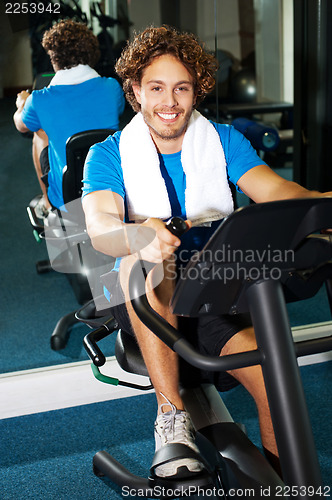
(262, 136)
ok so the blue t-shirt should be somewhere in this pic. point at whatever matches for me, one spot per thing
(103, 171)
(64, 110)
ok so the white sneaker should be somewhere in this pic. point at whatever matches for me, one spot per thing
(175, 426)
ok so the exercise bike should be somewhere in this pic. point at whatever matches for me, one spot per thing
(261, 257)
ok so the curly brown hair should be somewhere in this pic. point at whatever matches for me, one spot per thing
(70, 43)
(154, 42)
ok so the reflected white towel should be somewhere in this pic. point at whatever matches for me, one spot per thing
(208, 196)
(73, 76)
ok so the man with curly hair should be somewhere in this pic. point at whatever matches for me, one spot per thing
(171, 161)
(76, 99)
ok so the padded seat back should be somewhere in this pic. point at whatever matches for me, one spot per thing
(69, 247)
(77, 148)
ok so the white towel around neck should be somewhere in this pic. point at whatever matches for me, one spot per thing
(73, 76)
(207, 197)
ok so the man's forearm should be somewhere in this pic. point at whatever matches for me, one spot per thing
(294, 190)
(20, 103)
(19, 122)
(108, 235)
(113, 237)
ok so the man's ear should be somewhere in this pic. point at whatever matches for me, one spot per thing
(137, 91)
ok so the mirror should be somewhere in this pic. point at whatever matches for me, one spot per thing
(253, 42)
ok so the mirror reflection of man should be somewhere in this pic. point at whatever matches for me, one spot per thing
(76, 99)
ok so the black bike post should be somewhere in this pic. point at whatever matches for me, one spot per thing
(299, 461)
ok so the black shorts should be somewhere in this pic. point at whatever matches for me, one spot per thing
(207, 333)
(44, 165)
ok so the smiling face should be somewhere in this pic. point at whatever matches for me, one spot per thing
(166, 96)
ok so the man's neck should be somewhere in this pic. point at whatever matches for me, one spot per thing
(167, 146)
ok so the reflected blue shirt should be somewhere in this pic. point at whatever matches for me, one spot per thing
(64, 110)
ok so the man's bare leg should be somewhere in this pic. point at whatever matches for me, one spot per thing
(172, 424)
(252, 379)
(39, 142)
(161, 361)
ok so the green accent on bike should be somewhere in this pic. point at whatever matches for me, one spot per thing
(36, 235)
(103, 378)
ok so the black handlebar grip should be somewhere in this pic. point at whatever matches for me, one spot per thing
(176, 226)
